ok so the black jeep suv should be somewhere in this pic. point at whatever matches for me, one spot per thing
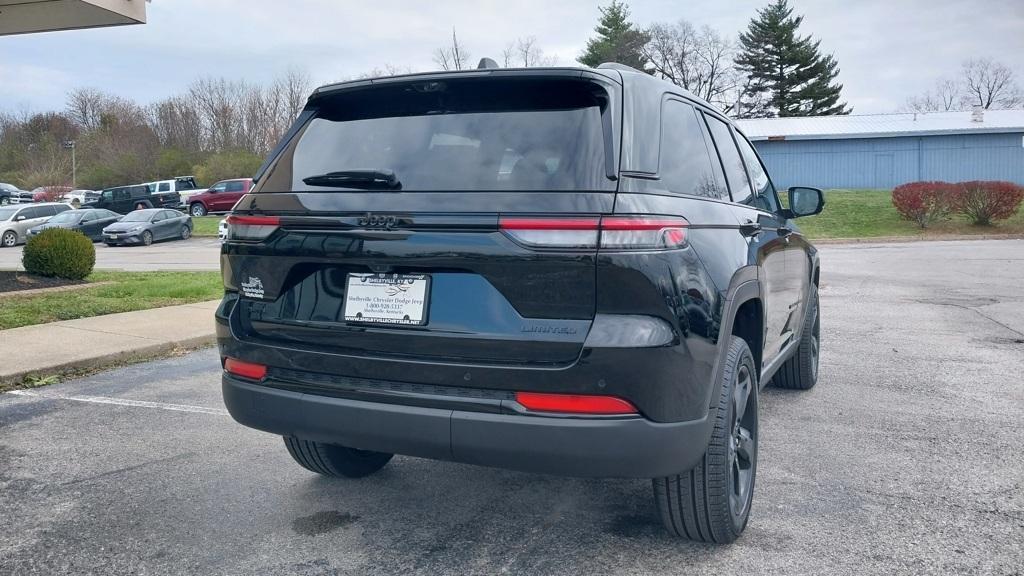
(584, 272)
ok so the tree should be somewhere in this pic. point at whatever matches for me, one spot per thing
(699, 60)
(982, 82)
(990, 84)
(454, 57)
(617, 40)
(787, 69)
(524, 53)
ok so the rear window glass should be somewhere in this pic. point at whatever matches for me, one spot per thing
(455, 135)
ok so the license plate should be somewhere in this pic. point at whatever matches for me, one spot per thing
(113, 236)
(387, 298)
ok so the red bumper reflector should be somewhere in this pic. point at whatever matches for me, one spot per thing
(245, 369)
(574, 403)
(253, 220)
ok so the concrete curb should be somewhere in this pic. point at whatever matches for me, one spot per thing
(109, 360)
(906, 239)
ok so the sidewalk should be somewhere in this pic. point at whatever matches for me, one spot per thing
(51, 348)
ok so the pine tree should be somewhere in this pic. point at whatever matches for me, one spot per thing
(617, 40)
(788, 76)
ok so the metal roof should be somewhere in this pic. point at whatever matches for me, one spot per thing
(881, 125)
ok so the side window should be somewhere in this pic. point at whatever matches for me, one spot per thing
(165, 187)
(171, 214)
(685, 163)
(35, 212)
(121, 194)
(732, 162)
(764, 192)
(88, 217)
(218, 187)
(236, 186)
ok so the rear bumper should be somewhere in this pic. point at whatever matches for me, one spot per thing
(629, 447)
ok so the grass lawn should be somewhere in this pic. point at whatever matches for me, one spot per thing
(205, 225)
(870, 214)
(129, 291)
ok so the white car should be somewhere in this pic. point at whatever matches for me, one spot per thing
(185, 186)
(222, 229)
(78, 198)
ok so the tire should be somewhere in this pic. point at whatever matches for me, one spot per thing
(711, 502)
(186, 232)
(800, 372)
(147, 237)
(5, 201)
(9, 239)
(335, 461)
(141, 206)
(197, 210)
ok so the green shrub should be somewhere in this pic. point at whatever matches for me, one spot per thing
(59, 252)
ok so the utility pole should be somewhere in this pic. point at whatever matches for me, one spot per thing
(74, 165)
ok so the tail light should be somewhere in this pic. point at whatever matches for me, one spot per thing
(251, 227)
(248, 370)
(574, 403)
(641, 232)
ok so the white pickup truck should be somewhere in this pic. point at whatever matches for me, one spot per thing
(185, 186)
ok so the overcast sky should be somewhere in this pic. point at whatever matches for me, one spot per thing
(887, 49)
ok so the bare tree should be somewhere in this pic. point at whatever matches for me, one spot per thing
(982, 82)
(990, 84)
(454, 57)
(525, 53)
(386, 70)
(85, 105)
(700, 61)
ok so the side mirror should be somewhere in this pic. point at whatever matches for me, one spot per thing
(19, 218)
(804, 201)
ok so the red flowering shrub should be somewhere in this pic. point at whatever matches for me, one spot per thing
(984, 202)
(924, 202)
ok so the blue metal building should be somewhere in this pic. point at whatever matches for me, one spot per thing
(886, 150)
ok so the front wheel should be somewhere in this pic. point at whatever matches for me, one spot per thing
(711, 502)
(197, 210)
(800, 372)
(9, 239)
(335, 461)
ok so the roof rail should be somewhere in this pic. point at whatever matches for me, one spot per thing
(617, 66)
(487, 63)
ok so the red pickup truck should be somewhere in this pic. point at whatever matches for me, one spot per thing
(220, 197)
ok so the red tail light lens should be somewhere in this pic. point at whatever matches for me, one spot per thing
(567, 232)
(574, 403)
(641, 232)
(251, 227)
(245, 369)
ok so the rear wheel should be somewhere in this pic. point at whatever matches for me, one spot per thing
(197, 210)
(800, 372)
(140, 206)
(9, 239)
(711, 502)
(335, 461)
(186, 232)
(147, 238)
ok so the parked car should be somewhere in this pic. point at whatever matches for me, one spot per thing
(147, 226)
(222, 229)
(88, 221)
(16, 221)
(124, 199)
(22, 196)
(7, 192)
(220, 197)
(50, 194)
(79, 198)
(536, 297)
(183, 186)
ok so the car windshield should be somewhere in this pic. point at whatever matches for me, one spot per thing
(6, 213)
(66, 217)
(456, 135)
(139, 216)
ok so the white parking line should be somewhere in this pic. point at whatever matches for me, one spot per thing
(122, 402)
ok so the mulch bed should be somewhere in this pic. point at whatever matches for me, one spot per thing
(11, 281)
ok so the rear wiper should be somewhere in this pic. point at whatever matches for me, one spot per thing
(361, 179)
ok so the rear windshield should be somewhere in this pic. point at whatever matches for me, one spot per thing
(455, 135)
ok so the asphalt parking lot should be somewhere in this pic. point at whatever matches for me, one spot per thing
(906, 458)
(193, 254)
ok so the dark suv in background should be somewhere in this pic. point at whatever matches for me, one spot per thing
(584, 272)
